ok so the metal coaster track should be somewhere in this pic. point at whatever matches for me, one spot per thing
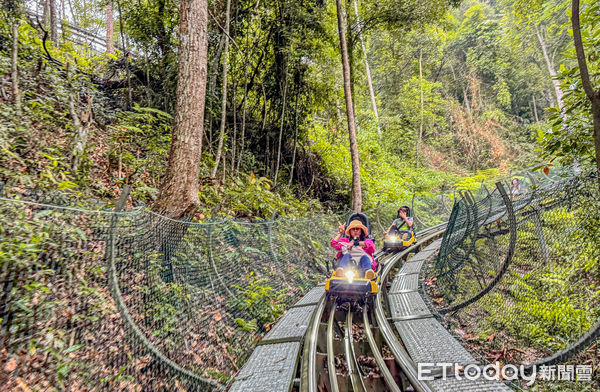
(310, 369)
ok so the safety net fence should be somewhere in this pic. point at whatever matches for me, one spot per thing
(517, 278)
(94, 299)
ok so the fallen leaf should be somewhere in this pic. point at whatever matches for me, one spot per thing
(217, 316)
(491, 337)
(11, 365)
(22, 385)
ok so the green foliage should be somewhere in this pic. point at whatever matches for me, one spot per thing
(474, 183)
(252, 197)
(32, 246)
(384, 177)
(261, 301)
(571, 136)
(550, 304)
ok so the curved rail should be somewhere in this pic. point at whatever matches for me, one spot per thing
(385, 372)
(406, 363)
(330, 355)
(308, 381)
(353, 369)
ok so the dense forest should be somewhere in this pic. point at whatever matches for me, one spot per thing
(441, 93)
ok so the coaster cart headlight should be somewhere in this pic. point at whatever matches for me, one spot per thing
(350, 275)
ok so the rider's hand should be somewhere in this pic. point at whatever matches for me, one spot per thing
(402, 214)
(350, 245)
(341, 229)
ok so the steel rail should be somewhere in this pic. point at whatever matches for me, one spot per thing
(308, 379)
(387, 376)
(353, 369)
(330, 354)
(406, 363)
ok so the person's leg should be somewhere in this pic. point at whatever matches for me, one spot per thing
(365, 264)
(345, 259)
(366, 267)
(343, 262)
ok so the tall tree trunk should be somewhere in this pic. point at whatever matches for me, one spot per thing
(356, 189)
(263, 126)
(223, 93)
(535, 113)
(109, 28)
(80, 122)
(234, 140)
(212, 86)
(14, 66)
(53, 21)
(178, 195)
(420, 136)
(368, 69)
(295, 137)
(212, 82)
(593, 95)
(243, 135)
(350, 52)
(558, 91)
(46, 14)
(126, 54)
(281, 127)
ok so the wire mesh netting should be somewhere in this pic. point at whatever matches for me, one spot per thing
(428, 210)
(517, 275)
(93, 299)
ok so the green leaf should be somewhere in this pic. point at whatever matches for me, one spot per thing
(73, 348)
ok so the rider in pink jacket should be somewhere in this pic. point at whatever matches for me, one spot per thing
(346, 249)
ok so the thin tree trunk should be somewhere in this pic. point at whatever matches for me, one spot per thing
(593, 96)
(535, 113)
(224, 169)
(178, 195)
(350, 52)
(148, 89)
(223, 93)
(126, 54)
(46, 14)
(368, 69)
(295, 137)
(264, 120)
(244, 104)
(109, 28)
(212, 86)
(242, 137)
(422, 105)
(234, 140)
(281, 128)
(53, 21)
(267, 156)
(80, 125)
(356, 189)
(555, 82)
(14, 66)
